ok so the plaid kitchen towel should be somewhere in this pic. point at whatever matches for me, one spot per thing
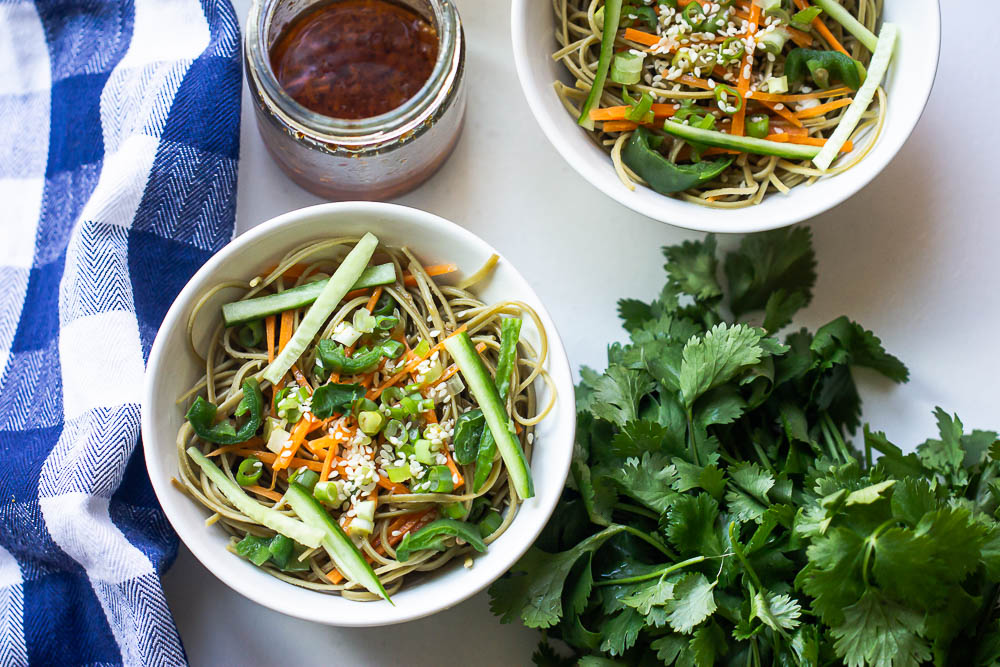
(119, 131)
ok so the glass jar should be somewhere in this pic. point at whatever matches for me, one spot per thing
(370, 158)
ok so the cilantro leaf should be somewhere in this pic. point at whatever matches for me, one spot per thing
(843, 342)
(717, 357)
(778, 612)
(707, 645)
(621, 630)
(766, 264)
(656, 594)
(693, 603)
(648, 480)
(693, 266)
(545, 656)
(634, 313)
(617, 394)
(879, 632)
(532, 591)
(691, 525)
(747, 498)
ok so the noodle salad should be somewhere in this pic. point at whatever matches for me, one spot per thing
(720, 103)
(358, 422)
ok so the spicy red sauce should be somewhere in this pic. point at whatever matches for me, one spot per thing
(354, 58)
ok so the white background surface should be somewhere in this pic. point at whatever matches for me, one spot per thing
(913, 257)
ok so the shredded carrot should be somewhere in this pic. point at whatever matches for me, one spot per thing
(743, 82)
(269, 329)
(833, 105)
(821, 28)
(640, 37)
(284, 335)
(400, 527)
(372, 301)
(301, 379)
(261, 491)
(807, 141)
(297, 436)
(618, 113)
(269, 458)
(783, 111)
(324, 472)
(800, 97)
(376, 392)
(434, 270)
(695, 82)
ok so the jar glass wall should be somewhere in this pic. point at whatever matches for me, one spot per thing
(370, 158)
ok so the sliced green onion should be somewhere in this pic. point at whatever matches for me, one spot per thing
(803, 19)
(363, 321)
(391, 395)
(249, 471)
(328, 492)
(689, 15)
(425, 404)
(409, 405)
(424, 451)
(395, 432)
(626, 68)
(454, 510)
(758, 126)
(773, 41)
(251, 334)
(370, 422)
(412, 387)
(777, 85)
(640, 110)
(398, 475)
(386, 322)
(731, 50)
(422, 349)
(305, 477)
(724, 104)
(437, 480)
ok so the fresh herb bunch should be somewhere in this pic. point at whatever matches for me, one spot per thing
(716, 513)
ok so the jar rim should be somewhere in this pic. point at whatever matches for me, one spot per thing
(394, 122)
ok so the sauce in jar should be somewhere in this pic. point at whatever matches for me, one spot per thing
(354, 59)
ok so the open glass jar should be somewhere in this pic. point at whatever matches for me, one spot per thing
(369, 158)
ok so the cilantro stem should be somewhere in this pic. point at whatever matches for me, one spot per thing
(870, 548)
(738, 551)
(654, 574)
(649, 539)
(691, 436)
(635, 509)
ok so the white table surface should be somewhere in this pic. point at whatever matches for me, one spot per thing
(913, 257)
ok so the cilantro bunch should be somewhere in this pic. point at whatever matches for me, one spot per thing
(718, 514)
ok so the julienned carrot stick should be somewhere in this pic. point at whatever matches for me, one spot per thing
(640, 37)
(400, 527)
(261, 491)
(284, 335)
(800, 97)
(372, 301)
(833, 105)
(743, 82)
(297, 436)
(434, 270)
(783, 111)
(376, 392)
(823, 30)
(269, 332)
(391, 486)
(269, 458)
(618, 113)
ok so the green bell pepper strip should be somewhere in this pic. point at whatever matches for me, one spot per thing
(249, 471)
(664, 176)
(251, 334)
(434, 535)
(824, 67)
(803, 19)
(851, 24)
(201, 416)
(612, 18)
(469, 428)
(743, 144)
(489, 523)
(385, 304)
(334, 358)
(438, 479)
(510, 334)
(643, 14)
(640, 110)
(730, 93)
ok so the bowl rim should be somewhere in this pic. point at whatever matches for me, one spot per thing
(683, 214)
(557, 362)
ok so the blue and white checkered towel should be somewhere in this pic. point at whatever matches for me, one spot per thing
(119, 132)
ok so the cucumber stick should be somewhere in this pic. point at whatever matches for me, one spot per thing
(305, 534)
(248, 310)
(340, 283)
(342, 551)
(836, 11)
(877, 69)
(478, 378)
(739, 143)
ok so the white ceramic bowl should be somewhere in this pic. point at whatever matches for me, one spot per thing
(172, 369)
(908, 86)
